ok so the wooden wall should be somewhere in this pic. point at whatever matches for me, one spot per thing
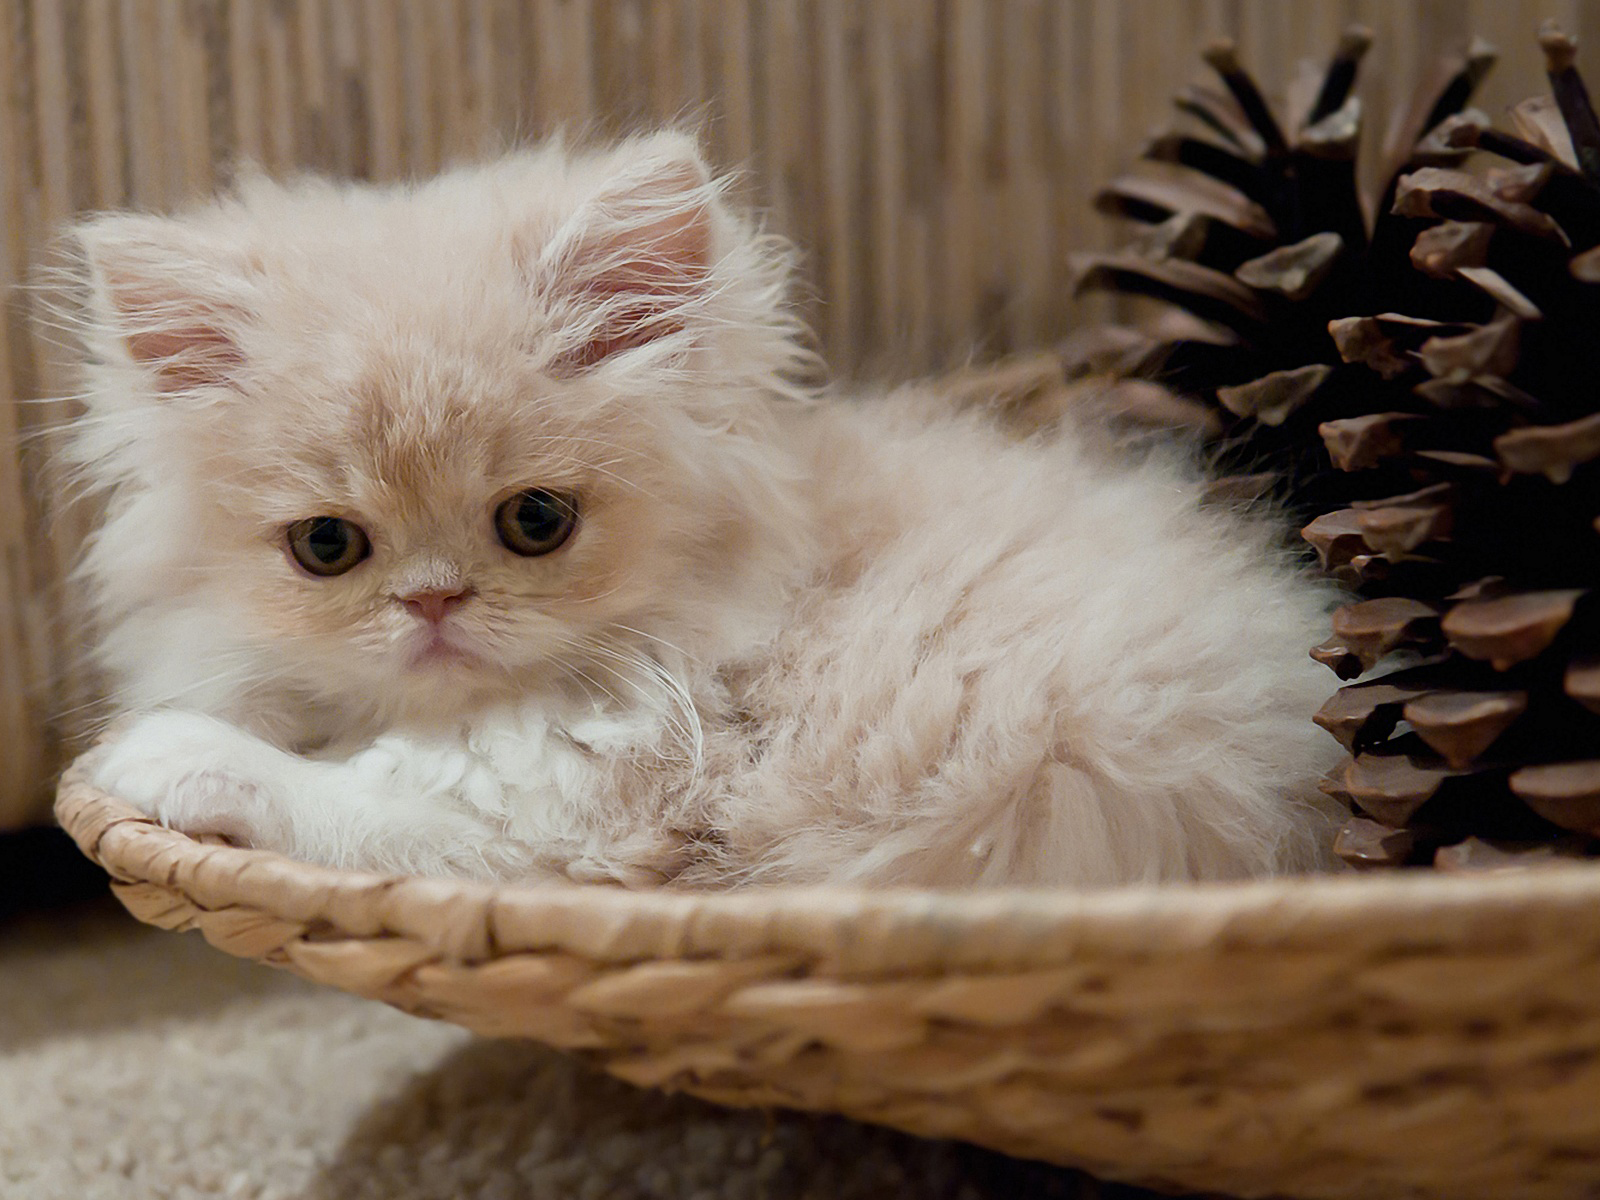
(934, 158)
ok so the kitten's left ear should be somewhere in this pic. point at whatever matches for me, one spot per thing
(166, 296)
(633, 265)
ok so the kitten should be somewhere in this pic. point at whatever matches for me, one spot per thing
(477, 527)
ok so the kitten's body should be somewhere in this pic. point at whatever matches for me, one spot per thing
(789, 639)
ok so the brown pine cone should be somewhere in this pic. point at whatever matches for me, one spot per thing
(1431, 392)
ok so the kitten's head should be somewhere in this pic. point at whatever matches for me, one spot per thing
(412, 444)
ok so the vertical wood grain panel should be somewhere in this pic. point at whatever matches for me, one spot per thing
(382, 78)
(22, 733)
(103, 113)
(563, 37)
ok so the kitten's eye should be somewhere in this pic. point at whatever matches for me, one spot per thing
(535, 521)
(327, 545)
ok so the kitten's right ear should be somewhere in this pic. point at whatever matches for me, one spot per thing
(633, 265)
(169, 298)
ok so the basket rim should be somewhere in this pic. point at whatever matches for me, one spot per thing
(851, 930)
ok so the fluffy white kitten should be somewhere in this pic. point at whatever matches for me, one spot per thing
(475, 527)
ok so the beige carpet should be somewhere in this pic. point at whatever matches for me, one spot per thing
(138, 1064)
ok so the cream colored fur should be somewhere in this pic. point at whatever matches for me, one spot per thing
(794, 638)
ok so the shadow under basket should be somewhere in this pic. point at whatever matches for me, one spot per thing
(1404, 1035)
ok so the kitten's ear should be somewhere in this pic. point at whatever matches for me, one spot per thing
(633, 266)
(168, 297)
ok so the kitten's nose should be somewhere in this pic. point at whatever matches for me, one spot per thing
(433, 606)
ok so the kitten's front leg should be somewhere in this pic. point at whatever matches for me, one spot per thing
(392, 807)
(201, 776)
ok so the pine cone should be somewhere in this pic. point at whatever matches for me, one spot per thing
(1262, 243)
(1487, 567)
(1432, 390)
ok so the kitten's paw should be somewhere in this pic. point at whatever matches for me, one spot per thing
(646, 860)
(197, 775)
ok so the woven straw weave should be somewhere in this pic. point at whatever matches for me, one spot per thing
(1399, 1036)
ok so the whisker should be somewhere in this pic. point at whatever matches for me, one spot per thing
(679, 650)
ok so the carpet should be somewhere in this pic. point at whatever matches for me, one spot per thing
(138, 1064)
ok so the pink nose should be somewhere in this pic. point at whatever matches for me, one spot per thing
(434, 606)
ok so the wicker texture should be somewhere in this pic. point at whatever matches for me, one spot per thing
(1403, 1036)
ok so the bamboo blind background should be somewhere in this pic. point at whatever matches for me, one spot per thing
(933, 158)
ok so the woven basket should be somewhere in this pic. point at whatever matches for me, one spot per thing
(1405, 1035)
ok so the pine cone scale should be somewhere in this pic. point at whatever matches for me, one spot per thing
(1461, 726)
(1507, 630)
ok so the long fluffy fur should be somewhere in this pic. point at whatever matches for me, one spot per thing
(794, 638)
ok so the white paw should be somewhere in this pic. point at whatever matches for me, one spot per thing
(198, 775)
